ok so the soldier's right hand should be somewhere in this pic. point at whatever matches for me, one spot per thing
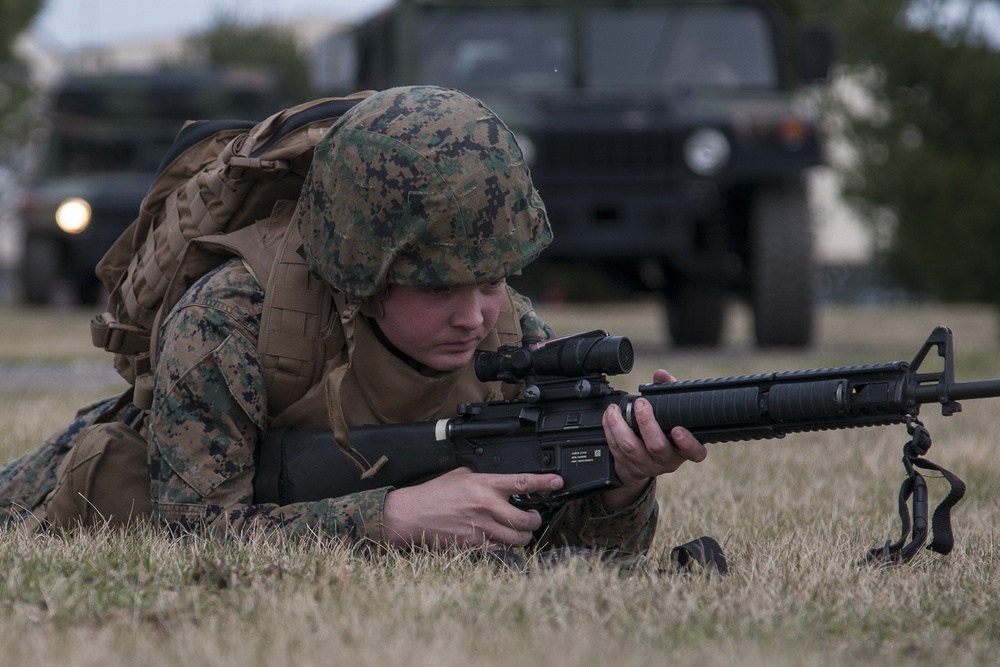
(466, 509)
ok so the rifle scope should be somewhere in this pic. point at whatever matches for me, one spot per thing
(573, 356)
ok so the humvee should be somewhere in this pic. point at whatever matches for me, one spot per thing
(663, 136)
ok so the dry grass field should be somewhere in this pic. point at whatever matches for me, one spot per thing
(793, 515)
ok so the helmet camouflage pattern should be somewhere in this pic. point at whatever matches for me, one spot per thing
(419, 186)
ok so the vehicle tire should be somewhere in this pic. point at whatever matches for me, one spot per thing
(782, 266)
(40, 270)
(695, 314)
(88, 289)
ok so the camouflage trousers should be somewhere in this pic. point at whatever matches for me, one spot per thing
(27, 481)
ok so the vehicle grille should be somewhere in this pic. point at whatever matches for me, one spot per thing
(619, 154)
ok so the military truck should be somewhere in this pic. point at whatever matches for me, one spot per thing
(103, 140)
(662, 136)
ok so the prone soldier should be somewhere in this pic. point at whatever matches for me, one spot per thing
(417, 207)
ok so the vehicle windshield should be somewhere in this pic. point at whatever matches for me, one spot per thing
(727, 46)
(470, 49)
(125, 124)
(722, 46)
(87, 153)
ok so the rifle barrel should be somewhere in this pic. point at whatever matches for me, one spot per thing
(958, 391)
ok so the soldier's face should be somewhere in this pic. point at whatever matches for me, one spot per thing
(441, 328)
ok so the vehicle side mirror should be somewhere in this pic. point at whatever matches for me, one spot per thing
(817, 52)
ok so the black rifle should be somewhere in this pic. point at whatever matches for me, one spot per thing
(557, 427)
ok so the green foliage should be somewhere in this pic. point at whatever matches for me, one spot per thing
(232, 43)
(947, 237)
(927, 144)
(15, 17)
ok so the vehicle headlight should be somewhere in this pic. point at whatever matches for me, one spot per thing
(706, 151)
(73, 215)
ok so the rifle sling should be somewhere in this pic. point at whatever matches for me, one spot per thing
(915, 486)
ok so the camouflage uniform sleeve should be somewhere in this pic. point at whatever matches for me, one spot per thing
(531, 323)
(586, 523)
(208, 414)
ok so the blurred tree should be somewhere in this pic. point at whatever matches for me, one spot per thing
(15, 16)
(15, 90)
(230, 42)
(922, 125)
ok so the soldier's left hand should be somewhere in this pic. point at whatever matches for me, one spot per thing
(638, 458)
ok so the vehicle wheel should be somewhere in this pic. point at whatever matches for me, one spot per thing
(88, 289)
(695, 314)
(40, 270)
(782, 290)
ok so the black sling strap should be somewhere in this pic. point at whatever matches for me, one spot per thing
(916, 487)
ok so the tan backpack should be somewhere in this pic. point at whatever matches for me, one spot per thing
(216, 181)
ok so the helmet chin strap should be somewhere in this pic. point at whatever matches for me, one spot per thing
(373, 306)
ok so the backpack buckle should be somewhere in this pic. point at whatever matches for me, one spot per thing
(108, 333)
(255, 166)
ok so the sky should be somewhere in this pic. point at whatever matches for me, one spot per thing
(69, 25)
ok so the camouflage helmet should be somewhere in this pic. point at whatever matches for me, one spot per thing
(419, 186)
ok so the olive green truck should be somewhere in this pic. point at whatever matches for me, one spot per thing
(664, 137)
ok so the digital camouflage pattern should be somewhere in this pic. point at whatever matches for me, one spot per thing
(419, 186)
(209, 413)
